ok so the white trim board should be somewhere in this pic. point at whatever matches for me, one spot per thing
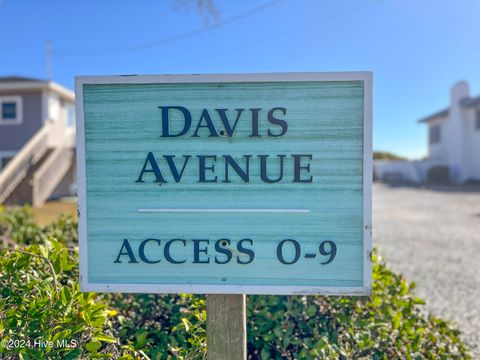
(212, 78)
(222, 210)
(19, 86)
(366, 77)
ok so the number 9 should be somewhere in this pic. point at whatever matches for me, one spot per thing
(332, 251)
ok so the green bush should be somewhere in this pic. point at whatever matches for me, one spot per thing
(40, 302)
(161, 325)
(385, 155)
(388, 325)
(40, 299)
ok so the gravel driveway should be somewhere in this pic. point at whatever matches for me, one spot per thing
(433, 238)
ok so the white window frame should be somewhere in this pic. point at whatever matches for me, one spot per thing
(19, 110)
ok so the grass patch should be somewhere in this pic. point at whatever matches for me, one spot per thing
(50, 211)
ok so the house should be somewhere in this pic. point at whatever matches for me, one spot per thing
(453, 144)
(37, 140)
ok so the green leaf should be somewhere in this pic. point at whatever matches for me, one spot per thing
(186, 323)
(106, 338)
(93, 346)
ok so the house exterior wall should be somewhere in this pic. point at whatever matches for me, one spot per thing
(54, 108)
(459, 146)
(387, 170)
(410, 171)
(56, 115)
(14, 136)
(439, 150)
(472, 145)
(456, 133)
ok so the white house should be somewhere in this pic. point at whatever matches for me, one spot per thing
(453, 143)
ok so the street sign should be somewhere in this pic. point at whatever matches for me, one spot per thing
(231, 184)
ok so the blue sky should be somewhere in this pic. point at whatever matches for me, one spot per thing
(416, 49)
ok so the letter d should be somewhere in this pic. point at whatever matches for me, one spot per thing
(187, 122)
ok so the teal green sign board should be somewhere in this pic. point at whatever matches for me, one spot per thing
(240, 183)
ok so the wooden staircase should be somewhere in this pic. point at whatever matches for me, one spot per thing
(35, 171)
(23, 192)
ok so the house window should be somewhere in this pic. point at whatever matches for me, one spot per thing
(10, 110)
(434, 134)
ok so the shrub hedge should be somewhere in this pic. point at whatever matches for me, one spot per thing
(43, 314)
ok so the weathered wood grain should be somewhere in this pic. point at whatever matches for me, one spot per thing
(226, 327)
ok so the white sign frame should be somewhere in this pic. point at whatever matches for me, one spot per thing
(364, 76)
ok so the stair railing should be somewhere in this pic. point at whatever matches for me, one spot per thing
(50, 173)
(17, 168)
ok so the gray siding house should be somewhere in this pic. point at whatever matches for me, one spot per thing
(37, 140)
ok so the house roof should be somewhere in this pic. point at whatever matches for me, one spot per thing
(438, 114)
(14, 78)
(20, 83)
(470, 101)
(467, 102)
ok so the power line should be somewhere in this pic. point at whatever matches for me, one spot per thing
(171, 38)
(324, 18)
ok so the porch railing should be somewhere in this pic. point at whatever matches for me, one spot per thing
(50, 173)
(17, 168)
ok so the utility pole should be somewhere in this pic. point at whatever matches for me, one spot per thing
(48, 59)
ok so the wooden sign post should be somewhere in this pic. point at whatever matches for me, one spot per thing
(225, 184)
(226, 327)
